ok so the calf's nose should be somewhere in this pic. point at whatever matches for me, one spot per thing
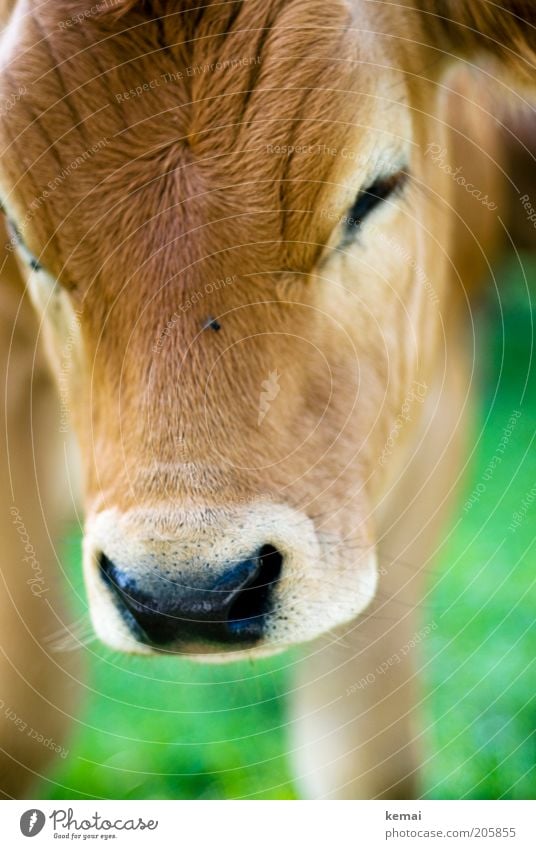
(232, 609)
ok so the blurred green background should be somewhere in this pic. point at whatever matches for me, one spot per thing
(159, 729)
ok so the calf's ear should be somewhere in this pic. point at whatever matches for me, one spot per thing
(470, 28)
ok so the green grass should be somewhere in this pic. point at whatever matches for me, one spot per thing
(481, 699)
(172, 729)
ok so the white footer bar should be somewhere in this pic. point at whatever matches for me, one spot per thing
(270, 824)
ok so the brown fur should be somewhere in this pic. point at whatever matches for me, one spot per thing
(505, 31)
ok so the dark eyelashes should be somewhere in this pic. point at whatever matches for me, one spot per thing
(16, 239)
(371, 197)
(35, 265)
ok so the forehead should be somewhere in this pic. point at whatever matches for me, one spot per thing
(207, 125)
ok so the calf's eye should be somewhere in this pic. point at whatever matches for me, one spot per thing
(18, 242)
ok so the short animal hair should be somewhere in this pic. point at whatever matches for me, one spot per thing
(506, 31)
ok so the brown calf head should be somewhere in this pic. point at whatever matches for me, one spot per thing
(231, 233)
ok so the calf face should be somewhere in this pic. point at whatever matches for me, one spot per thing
(230, 228)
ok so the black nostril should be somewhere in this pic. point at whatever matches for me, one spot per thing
(249, 606)
(125, 591)
(233, 609)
